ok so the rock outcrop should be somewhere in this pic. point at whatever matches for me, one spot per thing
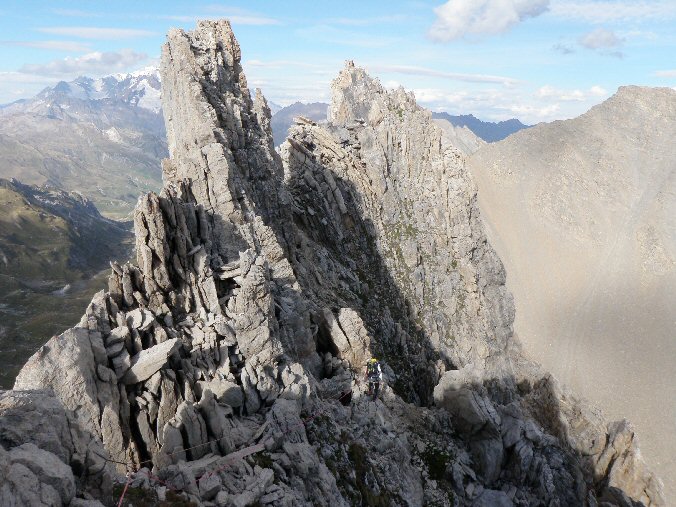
(224, 366)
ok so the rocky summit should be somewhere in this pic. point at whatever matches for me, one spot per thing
(225, 366)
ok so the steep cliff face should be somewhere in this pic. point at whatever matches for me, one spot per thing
(228, 358)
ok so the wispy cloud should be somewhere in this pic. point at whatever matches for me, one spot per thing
(606, 11)
(606, 42)
(366, 21)
(423, 71)
(235, 19)
(56, 45)
(97, 33)
(665, 73)
(601, 39)
(493, 105)
(95, 63)
(15, 85)
(279, 64)
(239, 16)
(563, 48)
(549, 92)
(461, 18)
(77, 13)
(332, 35)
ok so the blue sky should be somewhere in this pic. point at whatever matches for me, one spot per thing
(537, 60)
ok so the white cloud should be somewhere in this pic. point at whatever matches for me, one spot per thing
(15, 85)
(613, 10)
(56, 45)
(534, 114)
(97, 33)
(95, 63)
(279, 64)
(549, 93)
(423, 71)
(597, 91)
(492, 105)
(601, 39)
(365, 21)
(666, 73)
(460, 18)
(563, 48)
(77, 13)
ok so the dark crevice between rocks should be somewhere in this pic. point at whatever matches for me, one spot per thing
(144, 453)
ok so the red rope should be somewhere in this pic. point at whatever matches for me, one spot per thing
(209, 473)
(124, 491)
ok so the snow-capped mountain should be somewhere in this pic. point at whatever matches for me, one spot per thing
(140, 88)
(103, 137)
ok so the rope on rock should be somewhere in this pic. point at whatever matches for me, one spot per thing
(124, 491)
(229, 458)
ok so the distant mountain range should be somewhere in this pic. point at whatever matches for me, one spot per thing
(283, 118)
(105, 137)
(52, 243)
(488, 131)
(316, 111)
(102, 137)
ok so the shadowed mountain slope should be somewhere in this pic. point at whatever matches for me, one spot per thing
(583, 213)
(51, 244)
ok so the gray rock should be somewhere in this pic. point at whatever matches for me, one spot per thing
(226, 392)
(147, 362)
(492, 498)
(209, 486)
(193, 426)
(47, 468)
(349, 336)
(140, 319)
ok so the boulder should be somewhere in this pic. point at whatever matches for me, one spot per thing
(47, 468)
(492, 498)
(140, 319)
(226, 392)
(348, 335)
(147, 362)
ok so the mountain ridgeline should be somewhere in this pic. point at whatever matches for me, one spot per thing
(488, 131)
(223, 366)
(583, 213)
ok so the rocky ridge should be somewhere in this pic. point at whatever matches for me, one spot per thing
(263, 283)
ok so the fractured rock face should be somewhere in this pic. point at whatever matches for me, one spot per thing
(226, 355)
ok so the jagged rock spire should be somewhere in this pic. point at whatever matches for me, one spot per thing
(261, 290)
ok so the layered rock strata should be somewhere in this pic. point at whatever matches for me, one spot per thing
(227, 359)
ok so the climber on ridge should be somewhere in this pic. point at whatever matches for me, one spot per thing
(374, 376)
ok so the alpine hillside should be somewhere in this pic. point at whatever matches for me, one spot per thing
(51, 245)
(583, 214)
